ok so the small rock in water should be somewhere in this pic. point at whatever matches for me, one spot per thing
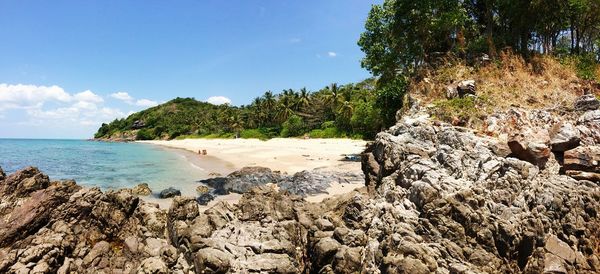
(141, 190)
(169, 193)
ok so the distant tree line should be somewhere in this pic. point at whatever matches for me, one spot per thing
(351, 110)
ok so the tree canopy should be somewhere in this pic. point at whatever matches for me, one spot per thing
(401, 35)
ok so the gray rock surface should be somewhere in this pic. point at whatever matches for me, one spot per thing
(587, 102)
(169, 193)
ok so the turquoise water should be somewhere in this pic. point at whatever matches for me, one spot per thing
(106, 165)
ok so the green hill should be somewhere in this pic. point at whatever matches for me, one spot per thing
(335, 111)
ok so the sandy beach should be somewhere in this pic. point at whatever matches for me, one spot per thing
(288, 155)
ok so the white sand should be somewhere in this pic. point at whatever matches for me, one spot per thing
(283, 154)
(286, 155)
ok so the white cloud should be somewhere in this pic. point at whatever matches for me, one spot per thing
(123, 96)
(218, 100)
(295, 40)
(53, 106)
(331, 54)
(20, 96)
(145, 103)
(88, 96)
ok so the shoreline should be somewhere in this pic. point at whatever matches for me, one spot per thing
(289, 155)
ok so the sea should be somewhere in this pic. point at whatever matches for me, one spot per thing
(102, 164)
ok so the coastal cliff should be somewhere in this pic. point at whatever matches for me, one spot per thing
(438, 198)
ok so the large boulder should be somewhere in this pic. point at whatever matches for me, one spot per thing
(241, 181)
(24, 182)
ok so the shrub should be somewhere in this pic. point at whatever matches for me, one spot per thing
(328, 124)
(145, 134)
(389, 99)
(330, 132)
(294, 126)
(253, 134)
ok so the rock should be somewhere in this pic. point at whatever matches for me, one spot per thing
(95, 255)
(582, 175)
(316, 181)
(554, 264)
(324, 251)
(559, 248)
(587, 102)
(585, 159)
(588, 126)
(169, 193)
(530, 151)
(24, 182)
(2, 175)
(466, 87)
(153, 265)
(241, 181)
(324, 224)
(564, 137)
(202, 189)
(210, 260)
(205, 198)
(451, 92)
(141, 190)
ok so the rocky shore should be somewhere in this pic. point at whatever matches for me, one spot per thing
(523, 196)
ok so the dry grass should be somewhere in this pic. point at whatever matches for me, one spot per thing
(510, 81)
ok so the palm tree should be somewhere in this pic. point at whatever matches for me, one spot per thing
(332, 98)
(268, 100)
(304, 98)
(285, 109)
(346, 110)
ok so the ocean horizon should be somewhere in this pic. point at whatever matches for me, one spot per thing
(102, 164)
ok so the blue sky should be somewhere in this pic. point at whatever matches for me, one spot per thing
(68, 66)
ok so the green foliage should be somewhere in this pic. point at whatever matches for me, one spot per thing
(366, 119)
(253, 134)
(461, 110)
(389, 100)
(290, 113)
(293, 126)
(145, 134)
(330, 132)
(586, 67)
(403, 35)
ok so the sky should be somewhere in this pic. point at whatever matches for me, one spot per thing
(68, 66)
